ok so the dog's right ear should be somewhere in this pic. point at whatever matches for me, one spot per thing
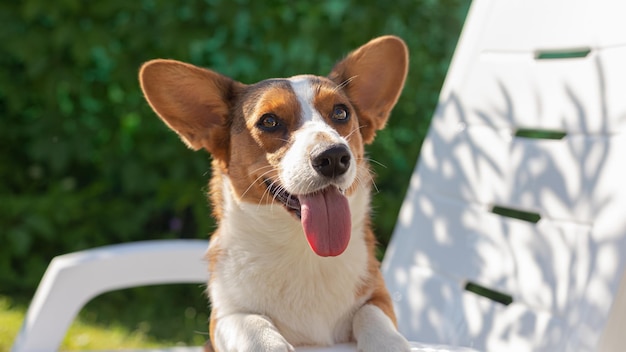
(373, 77)
(193, 101)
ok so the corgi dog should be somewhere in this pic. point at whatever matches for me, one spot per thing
(292, 260)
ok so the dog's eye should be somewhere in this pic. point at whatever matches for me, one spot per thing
(269, 123)
(340, 113)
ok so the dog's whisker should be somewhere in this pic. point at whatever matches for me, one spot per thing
(270, 167)
(266, 193)
(375, 186)
(275, 195)
(261, 168)
(279, 189)
(272, 195)
(258, 178)
(282, 140)
(375, 162)
(369, 178)
(352, 132)
(372, 182)
(344, 83)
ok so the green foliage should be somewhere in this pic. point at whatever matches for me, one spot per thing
(84, 162)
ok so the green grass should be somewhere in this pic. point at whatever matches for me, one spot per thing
(119, 320)
(10, 322)
(81, 335)
(85, 336)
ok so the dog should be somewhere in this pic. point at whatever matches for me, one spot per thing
(292, 260)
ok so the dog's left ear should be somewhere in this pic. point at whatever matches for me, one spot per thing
(373, 76)
(192, 101)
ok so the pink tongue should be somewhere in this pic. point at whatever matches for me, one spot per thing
(326, 221)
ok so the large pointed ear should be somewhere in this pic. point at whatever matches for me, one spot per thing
(373, 76)
(193, 101)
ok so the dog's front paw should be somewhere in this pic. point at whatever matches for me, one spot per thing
(249, 333)
(270, 340)
(391, 342)
(375, 332)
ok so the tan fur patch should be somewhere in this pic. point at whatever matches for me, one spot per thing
(255, 153)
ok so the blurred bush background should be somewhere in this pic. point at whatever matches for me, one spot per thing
(84, 162)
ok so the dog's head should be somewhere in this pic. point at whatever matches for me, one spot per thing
(298, 141)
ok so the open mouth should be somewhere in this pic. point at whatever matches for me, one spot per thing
(288, 200)
(324, 215)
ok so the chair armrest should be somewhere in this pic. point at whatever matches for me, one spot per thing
(71, 280)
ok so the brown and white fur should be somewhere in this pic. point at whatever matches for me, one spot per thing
(283, 274)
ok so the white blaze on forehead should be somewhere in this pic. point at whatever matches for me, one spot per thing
(303, 87)
(296, 174)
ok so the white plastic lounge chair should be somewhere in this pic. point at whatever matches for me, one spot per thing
(520, 191)
(71, 280)
(550, 70)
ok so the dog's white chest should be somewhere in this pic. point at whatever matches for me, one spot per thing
(267, 268)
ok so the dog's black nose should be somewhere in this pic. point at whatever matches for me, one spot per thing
(332, 162)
